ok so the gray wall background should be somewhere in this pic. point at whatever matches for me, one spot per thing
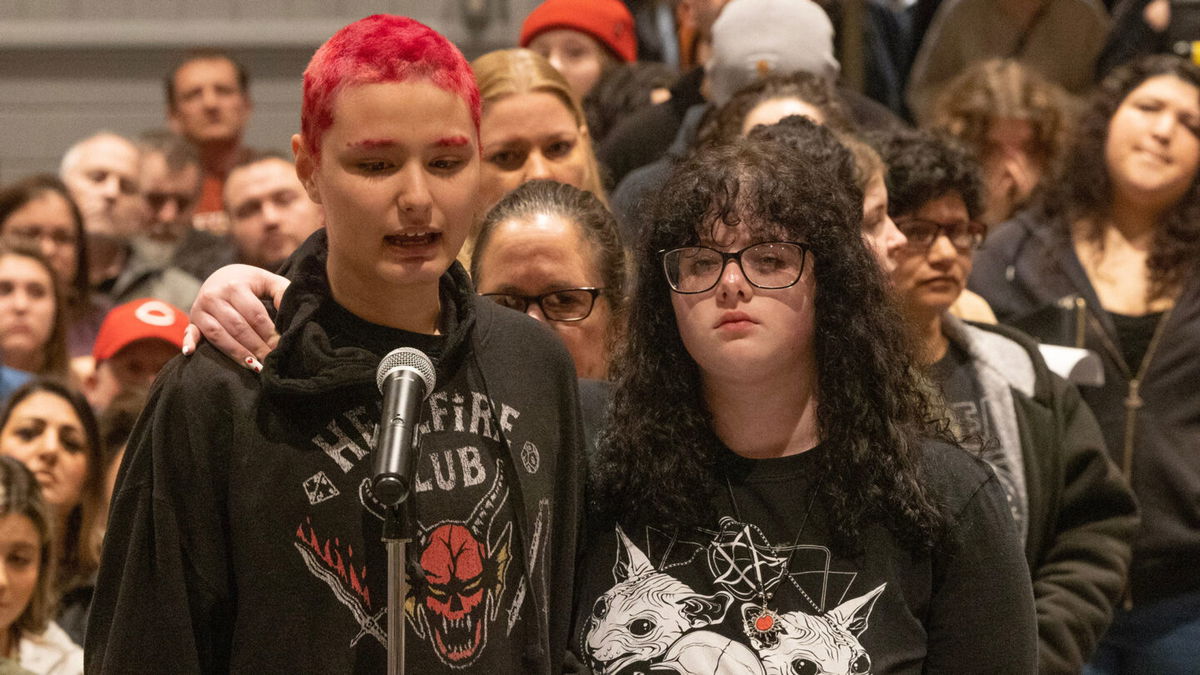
(72, 67)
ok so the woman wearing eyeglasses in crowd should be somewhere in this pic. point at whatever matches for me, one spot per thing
(39, 211)
(1110, 262)
(768, 494)
(552, 251)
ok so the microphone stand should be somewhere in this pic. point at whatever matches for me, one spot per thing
(396, 536)
(411, 376)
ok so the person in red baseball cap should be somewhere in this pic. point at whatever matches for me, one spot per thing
(581, 38)
(135, 341)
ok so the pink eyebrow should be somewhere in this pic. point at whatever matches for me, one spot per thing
(372, 143)
(447, 142)
(452, 142)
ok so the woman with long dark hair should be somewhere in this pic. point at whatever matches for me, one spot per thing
(1109, 262)
(769, 496)
(33, 331)
(30, 640)
(39, 211)
(50, 428)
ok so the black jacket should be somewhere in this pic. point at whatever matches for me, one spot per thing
(1080, 514)
(1031, 277)
(244, 537)
(646, 134)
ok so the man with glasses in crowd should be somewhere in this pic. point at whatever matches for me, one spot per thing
(1073, 511)
(170, 178)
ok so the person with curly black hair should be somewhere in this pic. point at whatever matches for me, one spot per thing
(1074, 511)
(1109, 263)
(770, 495)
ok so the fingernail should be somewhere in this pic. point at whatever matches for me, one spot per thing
(253, 364)
(187, 350)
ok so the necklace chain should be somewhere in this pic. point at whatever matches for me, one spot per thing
(764, 596)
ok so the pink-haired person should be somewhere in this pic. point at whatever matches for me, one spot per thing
(244, 536)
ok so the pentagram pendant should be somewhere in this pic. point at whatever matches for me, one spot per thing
(760, 624)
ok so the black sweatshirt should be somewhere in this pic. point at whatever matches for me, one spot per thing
(1034, 281)
(243, 535)
(654, 599)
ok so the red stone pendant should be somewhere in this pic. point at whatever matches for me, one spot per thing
(760, 624)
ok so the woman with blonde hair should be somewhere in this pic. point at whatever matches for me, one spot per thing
(1016, 122)
(532, 126)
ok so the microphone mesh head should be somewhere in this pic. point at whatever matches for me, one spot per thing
(407, 357)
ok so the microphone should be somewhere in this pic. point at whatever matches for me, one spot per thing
(406, 378)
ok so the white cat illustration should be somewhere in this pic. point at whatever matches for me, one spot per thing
(704, 652)
(645, 614)
(818, 644)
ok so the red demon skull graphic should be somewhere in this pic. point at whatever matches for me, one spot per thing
(464, 571)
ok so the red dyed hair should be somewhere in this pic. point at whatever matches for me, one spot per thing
(381, 48)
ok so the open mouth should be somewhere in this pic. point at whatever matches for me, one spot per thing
(459, 639)
(413, 240)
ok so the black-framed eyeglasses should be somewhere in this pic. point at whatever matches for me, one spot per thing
(567, 304)
(35, 233)
(769, 265)
(922, 233)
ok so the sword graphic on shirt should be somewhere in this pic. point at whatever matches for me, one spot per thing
(371, 624)
(535, 545)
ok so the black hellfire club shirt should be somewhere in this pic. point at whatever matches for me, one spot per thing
(659, 600)
(244, 536)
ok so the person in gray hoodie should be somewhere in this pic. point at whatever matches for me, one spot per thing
(1073, 510)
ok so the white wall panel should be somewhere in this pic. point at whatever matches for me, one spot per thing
(72, 67)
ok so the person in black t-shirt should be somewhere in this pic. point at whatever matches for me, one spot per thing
(1074, 511)
(769, 494)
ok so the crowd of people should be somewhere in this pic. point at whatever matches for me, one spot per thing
(819, 371)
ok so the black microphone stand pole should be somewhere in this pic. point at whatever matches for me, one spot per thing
(407, 383)
(396, 536)
(391, 487)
